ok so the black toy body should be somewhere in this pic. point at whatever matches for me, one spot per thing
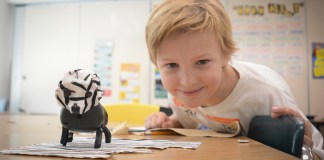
(95, 119)
(79, 93)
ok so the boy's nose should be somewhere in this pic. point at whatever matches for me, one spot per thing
(187, 78)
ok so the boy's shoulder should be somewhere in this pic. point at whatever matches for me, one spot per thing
(258, 73)
(251, 70)
(250, 66)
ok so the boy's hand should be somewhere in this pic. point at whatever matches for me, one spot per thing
(278, 111)
(159, 120)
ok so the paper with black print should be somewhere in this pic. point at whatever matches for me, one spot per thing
(83, 148)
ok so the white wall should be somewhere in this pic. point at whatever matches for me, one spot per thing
(315, 25)
(49, 50)
(6, 12)
(62, 36)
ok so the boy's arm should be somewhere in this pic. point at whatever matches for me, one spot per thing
(161, 120)
(311, 134)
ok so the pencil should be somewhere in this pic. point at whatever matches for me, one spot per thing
(164, 132)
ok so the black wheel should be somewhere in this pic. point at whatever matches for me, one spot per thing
(70, 137)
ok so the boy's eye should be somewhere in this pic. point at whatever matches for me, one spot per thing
(172, 65)
(202, 62)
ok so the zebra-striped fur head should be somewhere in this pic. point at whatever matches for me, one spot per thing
(79, 91)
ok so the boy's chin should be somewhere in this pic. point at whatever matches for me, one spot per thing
(191, 104)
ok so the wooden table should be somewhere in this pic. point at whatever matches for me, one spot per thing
(21, 130)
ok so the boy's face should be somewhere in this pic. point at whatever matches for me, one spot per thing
(191, 67)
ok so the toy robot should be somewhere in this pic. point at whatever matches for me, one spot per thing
(78, 94)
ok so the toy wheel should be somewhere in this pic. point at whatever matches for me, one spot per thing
(70, 137)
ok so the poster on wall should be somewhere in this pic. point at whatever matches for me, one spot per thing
(270, 32)
(103, 64)
(129, 83)
(318, 60)
(160, 91)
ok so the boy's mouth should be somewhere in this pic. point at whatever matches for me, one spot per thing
(192, 92)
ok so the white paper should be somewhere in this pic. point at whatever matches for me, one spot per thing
(83, 148)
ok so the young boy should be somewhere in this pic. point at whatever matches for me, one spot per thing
(190, 42)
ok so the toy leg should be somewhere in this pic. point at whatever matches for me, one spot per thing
(98, 138)
(107, 134)
(64, 136)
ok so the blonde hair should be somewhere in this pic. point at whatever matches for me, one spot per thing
(182, 16)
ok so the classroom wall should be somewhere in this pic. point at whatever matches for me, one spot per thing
(315, 33)
(6, 13)
(79, 41)
(60, 37)
(274, 39)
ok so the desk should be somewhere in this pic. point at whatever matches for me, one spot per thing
(21, 130)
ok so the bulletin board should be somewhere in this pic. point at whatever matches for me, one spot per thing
(273, 33)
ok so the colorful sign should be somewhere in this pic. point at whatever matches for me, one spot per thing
(129, 83)
(160, 91)
(103, 64)
(318, 60)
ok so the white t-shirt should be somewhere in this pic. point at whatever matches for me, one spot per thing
(258, 89)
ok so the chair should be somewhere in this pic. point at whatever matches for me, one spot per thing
(284, 133)
(132, 113)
